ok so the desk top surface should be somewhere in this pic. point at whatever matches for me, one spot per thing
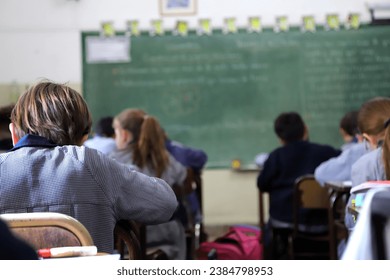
(341, 186)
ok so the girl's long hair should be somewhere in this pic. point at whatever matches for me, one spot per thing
(148, 145)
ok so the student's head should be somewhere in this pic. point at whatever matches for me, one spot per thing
(104, 127)
(289, 127)
(54, 111)
(349, 126)
(127, 127)
(371, 119)
(144, 135)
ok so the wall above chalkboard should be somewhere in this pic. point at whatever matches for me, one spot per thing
(222, 92)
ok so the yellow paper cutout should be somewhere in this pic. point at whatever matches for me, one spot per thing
(133, 27)
(204, 26)
(182, 28)
(157, 27)
(254, 24)
(230, 25)
(332, 22)
(353, 21)
(282, 24)
(107, 28)
(308, 24)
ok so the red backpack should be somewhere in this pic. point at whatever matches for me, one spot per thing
(239, 243)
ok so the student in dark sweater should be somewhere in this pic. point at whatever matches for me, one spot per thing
(296, 157)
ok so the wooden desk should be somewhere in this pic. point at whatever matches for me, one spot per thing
(338, 196)
(339, 186)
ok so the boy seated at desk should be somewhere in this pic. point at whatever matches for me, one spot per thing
(338, 169)
(48, 169)
(296, 157)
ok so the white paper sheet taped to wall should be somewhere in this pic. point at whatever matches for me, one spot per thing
(101, 49)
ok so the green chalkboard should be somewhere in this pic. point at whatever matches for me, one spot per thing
(222, 92)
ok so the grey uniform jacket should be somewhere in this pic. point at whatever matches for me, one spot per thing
(83, 183)
(339, 168)
(368, 168)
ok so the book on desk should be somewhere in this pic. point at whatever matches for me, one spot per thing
(360, 191)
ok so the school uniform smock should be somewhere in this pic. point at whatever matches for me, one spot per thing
(349, 144)
(38, 175)
(339, 168)
(168, 236)
(283, 166)
(368, 168)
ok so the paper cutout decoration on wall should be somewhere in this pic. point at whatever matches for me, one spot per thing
(157, 28)
(181, 28)
(308, 24)
(132, 28)
(332, 22)
(230, 25)
(281, 24)
(353, 21)
(107, 29)
(204, 27)
(254, 24)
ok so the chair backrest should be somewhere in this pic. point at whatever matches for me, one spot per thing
(195, 233)
(198, 184)
(310, 238)
(48, 229)
(128, 240)
(199, 234)
(308, 194)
